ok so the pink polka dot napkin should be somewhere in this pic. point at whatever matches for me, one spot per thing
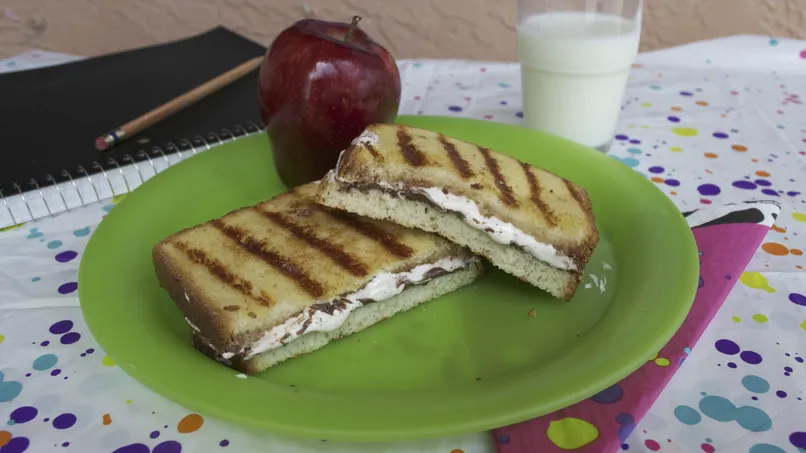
(727, 237)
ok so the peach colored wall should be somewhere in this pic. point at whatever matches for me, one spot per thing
(479, 29)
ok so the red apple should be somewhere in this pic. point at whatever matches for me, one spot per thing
(320, 85)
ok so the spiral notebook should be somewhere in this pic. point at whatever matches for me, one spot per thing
(51, 116)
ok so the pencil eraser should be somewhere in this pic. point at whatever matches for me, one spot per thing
(101, 144)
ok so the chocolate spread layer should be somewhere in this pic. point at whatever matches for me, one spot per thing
(330, 308)
(414, 195)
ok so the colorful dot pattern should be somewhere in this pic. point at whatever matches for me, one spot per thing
(703, 137)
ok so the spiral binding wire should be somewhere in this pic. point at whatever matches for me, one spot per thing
(99, 174)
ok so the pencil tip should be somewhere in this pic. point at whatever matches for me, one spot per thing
(101, 144)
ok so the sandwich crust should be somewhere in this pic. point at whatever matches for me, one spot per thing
(237, 276)
(397, 158)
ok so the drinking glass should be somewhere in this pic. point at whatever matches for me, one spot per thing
(575, 58)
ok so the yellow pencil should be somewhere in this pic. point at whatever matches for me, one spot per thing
(146, 120)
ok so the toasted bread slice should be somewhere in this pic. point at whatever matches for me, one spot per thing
(263, 277)
(525, 220)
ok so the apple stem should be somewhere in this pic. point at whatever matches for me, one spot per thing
(353, 25)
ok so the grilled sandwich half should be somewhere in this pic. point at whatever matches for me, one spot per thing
(527, 221)
(285, 277)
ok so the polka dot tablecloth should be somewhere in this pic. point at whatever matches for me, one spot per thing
(709, 123)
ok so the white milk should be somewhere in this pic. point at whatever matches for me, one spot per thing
(574, 68)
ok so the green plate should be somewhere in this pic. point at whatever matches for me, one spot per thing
(470, 361)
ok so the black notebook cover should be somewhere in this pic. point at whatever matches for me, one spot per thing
(51, 116)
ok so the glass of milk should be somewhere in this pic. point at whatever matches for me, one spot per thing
(575, 58)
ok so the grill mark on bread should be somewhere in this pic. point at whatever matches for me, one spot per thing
(232, 308)
(346, 261)
(535, 189)
(345, 164)
(410, 152)
(581, 196)
(367, 229)
(374, 152)
(219, 270)
(500, 182)
(459, 163)
(575, 193)
(280, 263)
